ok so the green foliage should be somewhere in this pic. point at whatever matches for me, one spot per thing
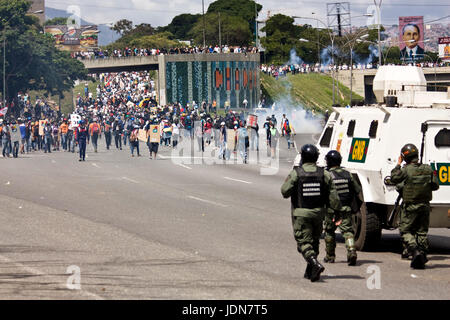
(244, 9)
(143, 29)
(281, 36)
(159, 40)
(181, 25)
(58, 21)
(235, 31)
(314, 91)
(32, 61)
(122, 27)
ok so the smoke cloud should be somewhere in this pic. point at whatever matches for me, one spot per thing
(301, 120)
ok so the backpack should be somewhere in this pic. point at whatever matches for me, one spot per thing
(95, 128)
(133, 136)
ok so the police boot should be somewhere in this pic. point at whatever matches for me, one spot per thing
(316, 268)
(308, 271)
(405, 254)
(330, 247)
(418, 260)
(351, 251)
(351, 257)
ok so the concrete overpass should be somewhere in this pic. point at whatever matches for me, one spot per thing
(363, 80)
(227, 77)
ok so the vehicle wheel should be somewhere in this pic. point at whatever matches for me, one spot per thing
(367, 228)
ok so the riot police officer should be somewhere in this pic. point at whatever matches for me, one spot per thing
(418, 183)
(311, 189)
(348, 189)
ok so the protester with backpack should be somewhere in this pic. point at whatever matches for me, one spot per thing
(287, 130)
(95, 132)
(134, 140)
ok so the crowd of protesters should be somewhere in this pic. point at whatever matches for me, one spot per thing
(283, 70)
(122, 109)
(142, 52)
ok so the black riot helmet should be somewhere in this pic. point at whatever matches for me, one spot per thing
(333, 159)
(309, 153)
(410, 152)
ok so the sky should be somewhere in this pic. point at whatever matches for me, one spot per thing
(161, 12)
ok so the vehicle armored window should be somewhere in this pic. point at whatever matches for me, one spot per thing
(326, 138)
(442, 139)
(373, 129)
(351, 128)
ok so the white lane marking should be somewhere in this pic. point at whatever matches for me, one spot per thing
(207, 201)
(130, 180)
(237, 180)
(40, 273)
(182, 165)
(179, 157)
(96, 165)
(53, 161)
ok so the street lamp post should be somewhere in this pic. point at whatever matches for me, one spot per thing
(435, 71)
(332, 37)
(378, 5)
(204, 24)
(352, 44)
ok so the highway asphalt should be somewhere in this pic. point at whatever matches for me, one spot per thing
(178, 228)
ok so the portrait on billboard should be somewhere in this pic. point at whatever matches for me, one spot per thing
(411, 37)
(444, 48)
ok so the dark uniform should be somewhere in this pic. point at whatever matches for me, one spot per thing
(418, 182)
(311, 190)
(82, 134)
(348, 189)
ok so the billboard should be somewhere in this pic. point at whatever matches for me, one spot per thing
(411, 35)
(74, 39)
(444, 48)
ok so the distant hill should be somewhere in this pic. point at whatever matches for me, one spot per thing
(105, 37)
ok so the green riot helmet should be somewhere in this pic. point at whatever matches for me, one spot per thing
(309, 153)
(333, 159)
(410, 152)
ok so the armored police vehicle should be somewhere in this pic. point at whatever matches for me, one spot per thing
(370, 137)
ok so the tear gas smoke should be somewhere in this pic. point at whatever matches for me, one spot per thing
(300, 119)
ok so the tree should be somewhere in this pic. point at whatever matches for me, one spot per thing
(122, 27)
(234, 30)
(143, 29)
(159, 40)
(244, 9)
(181, 25)
(144, 36)
(32, 61)
(59, 21)
(281, 37)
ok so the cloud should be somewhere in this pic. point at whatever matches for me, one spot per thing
(161, 12)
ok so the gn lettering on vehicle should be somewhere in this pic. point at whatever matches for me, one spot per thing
(358, 150)
(443, 173)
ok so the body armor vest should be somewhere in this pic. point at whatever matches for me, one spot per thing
(311, 189)
(417, 187)
(342, 181)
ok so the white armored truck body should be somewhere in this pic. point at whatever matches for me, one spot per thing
(369, 139)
